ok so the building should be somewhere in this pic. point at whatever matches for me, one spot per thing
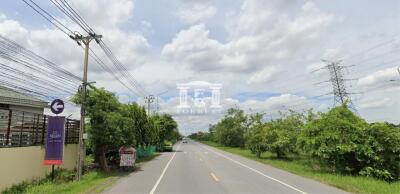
(20, 118)
(13, 100)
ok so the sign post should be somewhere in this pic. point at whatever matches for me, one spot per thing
(55, 136)
(57, 106)
(127, 157)
(54, 142)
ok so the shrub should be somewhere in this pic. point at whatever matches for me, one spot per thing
(281, 134)
(337, 140)
(384, 160)
(255, 140)
(344, 142)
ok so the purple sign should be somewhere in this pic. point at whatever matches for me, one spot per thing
(55, 141)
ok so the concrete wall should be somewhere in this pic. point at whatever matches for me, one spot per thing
(25, 163)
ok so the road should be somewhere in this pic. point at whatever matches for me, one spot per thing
(197, 168)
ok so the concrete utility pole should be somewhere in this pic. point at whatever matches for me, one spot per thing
(81, 149)
(157, 99)
(149, 99)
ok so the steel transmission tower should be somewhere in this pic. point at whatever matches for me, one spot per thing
(340, 93)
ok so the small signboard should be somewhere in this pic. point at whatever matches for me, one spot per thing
(127, 156)
(57, 106)
(127, 160)
(55, 141)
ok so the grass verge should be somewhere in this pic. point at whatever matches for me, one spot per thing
(354, 184)
(92, 182)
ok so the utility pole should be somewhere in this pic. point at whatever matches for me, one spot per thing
(149, 99)
(81, 149)
(157, 99)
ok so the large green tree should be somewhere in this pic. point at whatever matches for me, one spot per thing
(281, 134)
(106, 123)
(337, 139)
(230, 131)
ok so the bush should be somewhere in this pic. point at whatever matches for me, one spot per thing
(384, 161)
(281, 134)
(344, 142)
(337, 140)
(255, 140)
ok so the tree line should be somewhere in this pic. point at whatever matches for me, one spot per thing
(114, 124)
(338, 140)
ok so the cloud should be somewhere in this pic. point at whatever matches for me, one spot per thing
(195, 12)
(379, 78)
(255, 42)
(12, 29)
(262, 76)
(103, 13)
(373, 103)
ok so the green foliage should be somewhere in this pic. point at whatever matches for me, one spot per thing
(201, 136)
(113, 124)
(300, 165)
(231, 129)
(335, 141)
(344, 142)
(255, 140)
(384, 160)
(168, 129)
(281, 134)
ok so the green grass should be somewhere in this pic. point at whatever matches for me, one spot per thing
(91, 182)
(97, 180)
(354, 184)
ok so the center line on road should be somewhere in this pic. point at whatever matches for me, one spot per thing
(254, 170)
(214, 177)
(163, 172)
(200, 159)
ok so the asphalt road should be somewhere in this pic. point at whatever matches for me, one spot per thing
(197, 168)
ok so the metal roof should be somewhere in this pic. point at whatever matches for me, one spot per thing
(9, 96)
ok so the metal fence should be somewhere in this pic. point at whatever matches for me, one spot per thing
(18, 129)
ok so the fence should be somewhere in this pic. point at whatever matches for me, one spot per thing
(19, 129)
(142, 152)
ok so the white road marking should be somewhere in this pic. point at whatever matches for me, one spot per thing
(254, 170)
(206, 152)
(200, 159)
(185, 152)
(215, 177)
(163, 172)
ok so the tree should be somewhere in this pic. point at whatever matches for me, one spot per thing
(281, 134)
(231, 129)
(139, 124)
(337, 140)
(168, 128)
(105, 122)
(383, 158)
(255, 140)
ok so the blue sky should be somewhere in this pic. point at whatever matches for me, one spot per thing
(261, 51)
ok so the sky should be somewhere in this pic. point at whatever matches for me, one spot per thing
(264, 53)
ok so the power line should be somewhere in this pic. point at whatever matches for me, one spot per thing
(71, 13)
(337, 80)
(46, 15)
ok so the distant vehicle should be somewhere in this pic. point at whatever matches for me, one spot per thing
(184, 141)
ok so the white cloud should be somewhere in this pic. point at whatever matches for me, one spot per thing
(12, 29)
(103, 13)
(262, 76)
(255, 43)
(379, 79)
(374, 103)
(195, 12)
